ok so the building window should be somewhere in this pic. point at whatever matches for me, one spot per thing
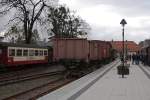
(19, 52)
(31, 53)
(36, 53)
(45, 53)
(25, 52)
(11, 52)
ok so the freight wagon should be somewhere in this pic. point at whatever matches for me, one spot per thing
(70, 48)
(99, 50)
(80, 49)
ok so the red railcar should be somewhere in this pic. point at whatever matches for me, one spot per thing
(21, 54)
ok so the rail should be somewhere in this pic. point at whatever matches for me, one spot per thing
(25, 78)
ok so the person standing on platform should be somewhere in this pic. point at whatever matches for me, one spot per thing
(137, 59)
(133, 59)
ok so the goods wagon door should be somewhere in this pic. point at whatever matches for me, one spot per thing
(58, 49)
(70, 49)
(94, 50)
(103, 52)
(61, 49)
(81, 49)
(100, 52)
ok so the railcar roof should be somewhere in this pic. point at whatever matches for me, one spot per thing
(7, 44)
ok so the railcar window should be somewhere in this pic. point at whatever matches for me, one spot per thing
(45, 53)
(19, 52)
(31, 53)
(11, 52)
(41, 53)
(36, 53)
(25, 52)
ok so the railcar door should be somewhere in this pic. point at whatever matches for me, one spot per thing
(2, 55)
(1, 58)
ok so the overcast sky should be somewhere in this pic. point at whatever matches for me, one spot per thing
(104, 17)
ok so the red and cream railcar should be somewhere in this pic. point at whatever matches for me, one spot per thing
(22, 54)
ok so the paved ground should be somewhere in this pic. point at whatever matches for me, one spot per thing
(136, 86)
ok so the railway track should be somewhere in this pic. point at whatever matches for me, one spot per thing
(25, 71)
(39, 91)
(11, 80)
(30, 73)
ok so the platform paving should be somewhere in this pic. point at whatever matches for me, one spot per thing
(111, 86)
(75, 88)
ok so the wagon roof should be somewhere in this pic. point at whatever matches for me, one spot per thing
(7, 44)
(97, 41)
(70, 38)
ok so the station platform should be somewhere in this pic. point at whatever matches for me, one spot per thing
(111, 86)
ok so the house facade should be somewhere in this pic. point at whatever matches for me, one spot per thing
(130, 47)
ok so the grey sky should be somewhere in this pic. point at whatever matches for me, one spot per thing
(104, 16)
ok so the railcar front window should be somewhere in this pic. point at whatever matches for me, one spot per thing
(11, 52)
(19, 52)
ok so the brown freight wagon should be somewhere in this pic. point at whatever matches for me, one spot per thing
(106, 49)
(70, 48)
(98, 50)
(94, 51)
(102, 47)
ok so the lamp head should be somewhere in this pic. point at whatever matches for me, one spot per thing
(123, 22)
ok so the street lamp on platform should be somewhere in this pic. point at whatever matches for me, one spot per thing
(123, 23)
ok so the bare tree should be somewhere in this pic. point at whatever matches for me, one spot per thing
(66, 24)
(27, 12)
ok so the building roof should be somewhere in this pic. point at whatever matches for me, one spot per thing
(131, 45)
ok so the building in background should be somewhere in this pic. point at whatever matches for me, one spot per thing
(144, 43)
(130, 47)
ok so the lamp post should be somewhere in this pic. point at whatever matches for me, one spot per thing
(126, 49)
(123, 22)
